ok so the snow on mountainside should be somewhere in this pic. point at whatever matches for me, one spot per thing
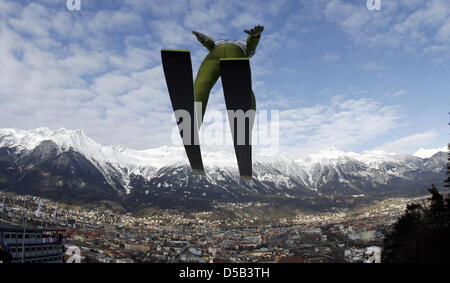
(115, 160)
(77, 139)
(371, 158)
(427, 153)
(329, 169)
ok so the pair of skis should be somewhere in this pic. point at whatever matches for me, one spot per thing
(236, 81)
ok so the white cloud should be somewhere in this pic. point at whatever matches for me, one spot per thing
(247, 20)
(163, 8)
(209, 17)
(343, 124)
(114, 95)
(329, 57)
(9, 8)
(172, 34)
(408, 25)
(427, 153)
(444, 32)
(373, 66)
(411, 143)
(399, 93)
(436, 49)
(100, 70)
(114, 21)
(34, 20)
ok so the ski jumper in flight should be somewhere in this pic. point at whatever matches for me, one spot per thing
(209, 70)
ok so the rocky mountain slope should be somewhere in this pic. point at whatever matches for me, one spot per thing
(69, 166)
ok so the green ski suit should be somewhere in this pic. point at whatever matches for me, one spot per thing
(209, 70)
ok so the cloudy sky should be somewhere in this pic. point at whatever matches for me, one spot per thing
(339, 74)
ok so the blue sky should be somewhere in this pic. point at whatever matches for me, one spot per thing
(339, 74)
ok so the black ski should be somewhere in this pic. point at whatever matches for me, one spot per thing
(236, 82)
(178, 71)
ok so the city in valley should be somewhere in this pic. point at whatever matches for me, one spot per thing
(202, 237)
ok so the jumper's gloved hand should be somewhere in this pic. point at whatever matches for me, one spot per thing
(205, 40)
(256, 31)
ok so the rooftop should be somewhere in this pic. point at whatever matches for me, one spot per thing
(18, 228)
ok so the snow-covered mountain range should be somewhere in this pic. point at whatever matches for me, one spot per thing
(72, 162)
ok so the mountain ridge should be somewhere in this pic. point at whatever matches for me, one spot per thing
(147, 177)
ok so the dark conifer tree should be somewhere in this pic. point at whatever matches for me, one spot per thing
(447, 181)
(422, 233)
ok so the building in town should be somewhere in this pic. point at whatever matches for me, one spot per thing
(33, 244)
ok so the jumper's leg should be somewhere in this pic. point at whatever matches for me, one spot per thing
(206, 78)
